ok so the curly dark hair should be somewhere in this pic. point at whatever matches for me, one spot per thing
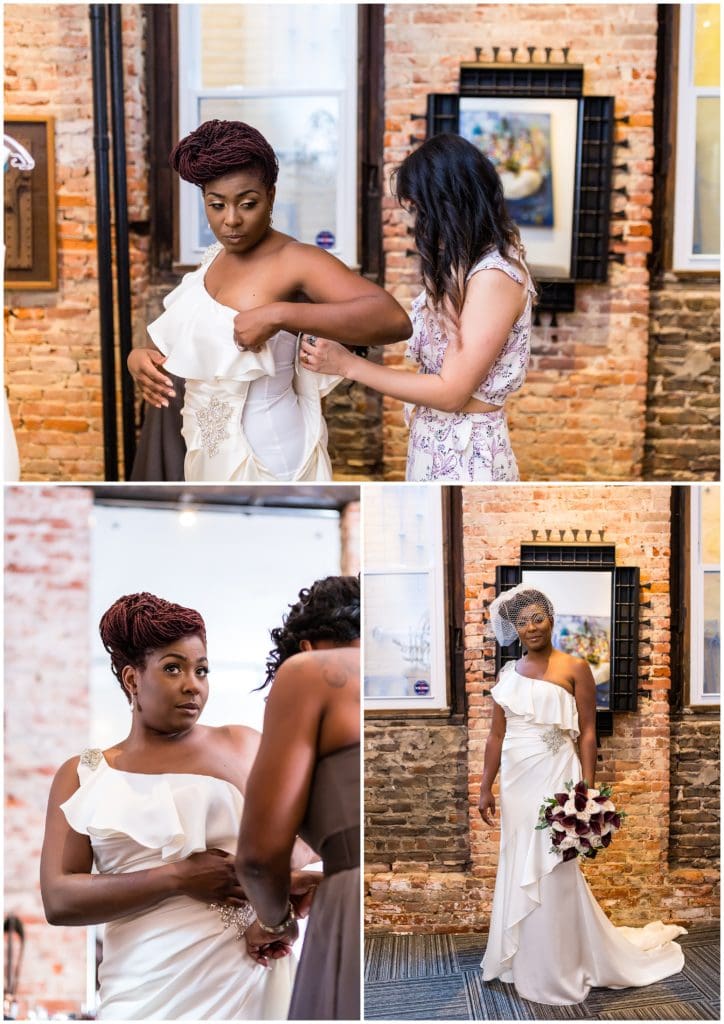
(460, 213)
(328, 610)
(220, 147)
(137, 624)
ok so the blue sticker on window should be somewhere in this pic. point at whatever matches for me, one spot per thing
(325, 240)
(422, 688)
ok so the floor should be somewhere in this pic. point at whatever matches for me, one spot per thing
(436, 977)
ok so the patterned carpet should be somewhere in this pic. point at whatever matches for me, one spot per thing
(437, 977)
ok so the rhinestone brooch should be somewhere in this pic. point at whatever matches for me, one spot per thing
(236, 917)
(91, 758)
(212, 422)
(554, 739)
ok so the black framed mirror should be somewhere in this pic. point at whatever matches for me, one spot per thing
(597, 616)
(558, 154)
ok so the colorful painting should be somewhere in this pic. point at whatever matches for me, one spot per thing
(588, 637)
(519, 145)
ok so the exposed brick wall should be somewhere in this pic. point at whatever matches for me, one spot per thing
(47, 715)
(586, 388)
(682, 409)
(52, 339)
(632, 882)
(416, 797)
(694, 841)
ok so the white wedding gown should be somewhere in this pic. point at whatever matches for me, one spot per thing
(246, 415)
(175, 961)
(548, 935)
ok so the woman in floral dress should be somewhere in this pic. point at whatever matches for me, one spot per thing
(471, 324)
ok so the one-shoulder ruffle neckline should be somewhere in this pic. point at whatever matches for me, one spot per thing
(165, 812)
(536, 700)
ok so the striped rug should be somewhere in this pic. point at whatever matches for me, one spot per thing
(437, 977)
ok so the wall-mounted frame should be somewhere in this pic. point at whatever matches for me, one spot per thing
(30, 220)
(554, 149)
(597, 615)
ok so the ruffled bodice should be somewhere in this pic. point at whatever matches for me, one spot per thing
(428, 343)
(247, 415)
(179, 959)
(138, 821)
(534, 704)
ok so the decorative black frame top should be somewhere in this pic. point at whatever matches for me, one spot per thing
(624, 618)
(594, 157)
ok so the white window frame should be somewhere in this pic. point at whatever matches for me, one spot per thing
(438, 700)
(696, 606)
(687, 95)
(191, 92)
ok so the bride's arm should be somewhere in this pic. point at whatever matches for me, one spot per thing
(585, 691)
(492, 304)
(73, 896)
(343, 305)
(491, 764)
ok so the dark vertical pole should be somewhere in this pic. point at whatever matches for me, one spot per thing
(103, 230)
(123, 271)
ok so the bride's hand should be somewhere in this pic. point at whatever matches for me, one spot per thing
(254, 327)
(155, 387)
(325, 356)
(486, 806)
(210, 876)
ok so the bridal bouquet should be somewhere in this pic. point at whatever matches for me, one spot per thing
(582, 820)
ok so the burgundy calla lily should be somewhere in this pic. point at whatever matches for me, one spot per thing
(580, 800)
(569, 854)
(561, 798)
(606, 840)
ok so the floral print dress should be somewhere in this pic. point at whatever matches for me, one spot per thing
(457, 446)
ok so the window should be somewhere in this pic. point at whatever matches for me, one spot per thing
(705, 619)
(697, 204)
(405, 628)
(291, 71)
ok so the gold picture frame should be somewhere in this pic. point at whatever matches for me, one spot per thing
(31, 247)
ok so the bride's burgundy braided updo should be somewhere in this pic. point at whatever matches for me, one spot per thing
(328, 610)
(137, 624)
(220, 147)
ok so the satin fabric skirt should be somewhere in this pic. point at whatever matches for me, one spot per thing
(548, 935)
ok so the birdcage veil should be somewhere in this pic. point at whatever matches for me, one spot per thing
(506, 608)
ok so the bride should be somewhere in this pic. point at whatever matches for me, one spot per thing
(157, 816)
(547, 935)
(251, 410)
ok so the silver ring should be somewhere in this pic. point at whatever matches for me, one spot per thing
(312, 339)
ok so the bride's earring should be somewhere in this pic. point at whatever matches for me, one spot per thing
(133, 703)
(271, 219)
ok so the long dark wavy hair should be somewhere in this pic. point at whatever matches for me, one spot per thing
(328, 610)
(460, 213)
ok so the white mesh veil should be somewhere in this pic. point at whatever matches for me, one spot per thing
(506, 608)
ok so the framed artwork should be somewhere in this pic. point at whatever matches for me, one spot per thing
(30, 210)
(532, 143)
(553, 148)
(597, 606)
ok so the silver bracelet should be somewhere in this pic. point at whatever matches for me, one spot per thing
(277, 929)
